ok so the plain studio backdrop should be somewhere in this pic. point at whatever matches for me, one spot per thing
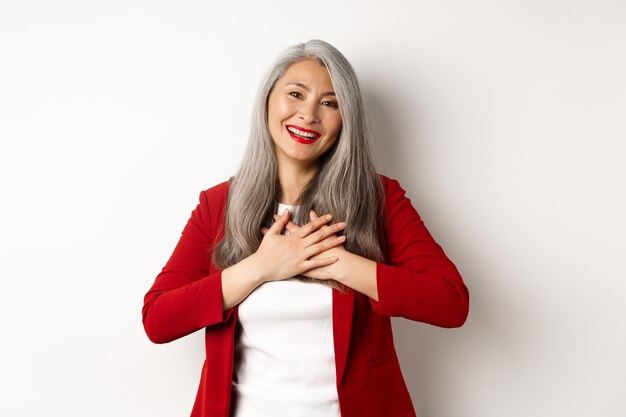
(503, 120)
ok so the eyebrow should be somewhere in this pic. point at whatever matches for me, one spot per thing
(302, 85)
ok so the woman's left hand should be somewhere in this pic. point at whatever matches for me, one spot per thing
(333, 271)
(351, 270)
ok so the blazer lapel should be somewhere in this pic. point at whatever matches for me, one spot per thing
(343, 308)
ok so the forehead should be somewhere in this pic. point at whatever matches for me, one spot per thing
(308, 72)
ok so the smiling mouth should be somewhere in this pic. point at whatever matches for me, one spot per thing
(302, 135)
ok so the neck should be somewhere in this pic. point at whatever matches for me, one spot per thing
(293, 179)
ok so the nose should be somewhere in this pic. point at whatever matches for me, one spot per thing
(308, 112)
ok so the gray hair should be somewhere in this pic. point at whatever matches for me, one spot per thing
(346, 183)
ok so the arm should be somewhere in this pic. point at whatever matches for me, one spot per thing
(418, 281)
(185, 297)
(352, 270)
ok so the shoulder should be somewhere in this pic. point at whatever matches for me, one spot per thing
(391, 186)
(217, 194)
(212, 204)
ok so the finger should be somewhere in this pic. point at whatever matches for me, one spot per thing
(314, 225)
(324, 245)
(317, 263)
(324, 233)
(291, 226)
(313, 215)
(264, 230)
(280, 223)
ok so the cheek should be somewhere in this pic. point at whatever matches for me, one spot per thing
(279, 109)
(336, 129)
(337, 125)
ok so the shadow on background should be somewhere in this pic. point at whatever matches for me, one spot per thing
(427, 353)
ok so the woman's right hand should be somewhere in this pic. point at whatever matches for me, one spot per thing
(283, 256)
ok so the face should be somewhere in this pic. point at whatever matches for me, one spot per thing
(303, 114)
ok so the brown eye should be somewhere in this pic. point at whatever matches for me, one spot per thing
(295, 94)
(330, 104)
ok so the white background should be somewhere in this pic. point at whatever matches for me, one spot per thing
(503, 120)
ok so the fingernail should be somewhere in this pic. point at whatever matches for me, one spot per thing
(341, 225)
(342, 238)
(329, 216)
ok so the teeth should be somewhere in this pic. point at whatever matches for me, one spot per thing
(305, 135)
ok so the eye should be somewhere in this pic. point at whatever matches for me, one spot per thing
(295, 94)
(330, 104)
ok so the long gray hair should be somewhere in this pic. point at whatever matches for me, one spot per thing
(346, 183)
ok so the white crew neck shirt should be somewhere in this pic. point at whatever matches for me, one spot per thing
(284, 351)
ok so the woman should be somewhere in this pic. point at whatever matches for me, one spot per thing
(296, 264)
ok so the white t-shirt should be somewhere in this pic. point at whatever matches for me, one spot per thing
(284, 352)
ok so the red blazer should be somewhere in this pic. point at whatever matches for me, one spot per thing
(419, 283)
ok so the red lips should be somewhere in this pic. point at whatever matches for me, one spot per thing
(302, 140)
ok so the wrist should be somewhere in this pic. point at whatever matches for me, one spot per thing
(358, 271)
(257, 274)
(346, 264)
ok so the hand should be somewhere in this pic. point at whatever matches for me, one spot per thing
(333, 270)
(283, 256)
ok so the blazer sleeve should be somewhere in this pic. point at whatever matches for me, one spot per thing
(185, 297)
(418, 281)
